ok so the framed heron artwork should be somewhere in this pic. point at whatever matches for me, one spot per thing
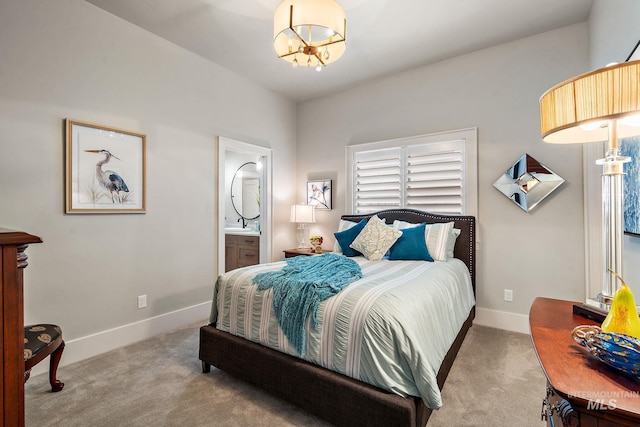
(105, 169)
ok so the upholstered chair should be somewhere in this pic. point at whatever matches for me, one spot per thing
(41, 341)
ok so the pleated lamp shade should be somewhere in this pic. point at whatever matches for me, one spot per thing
(578, 110)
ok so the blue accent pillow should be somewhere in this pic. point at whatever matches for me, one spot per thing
(346, 237)
(411, 245)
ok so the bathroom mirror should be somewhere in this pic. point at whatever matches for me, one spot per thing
(245, 192)
(527, 182)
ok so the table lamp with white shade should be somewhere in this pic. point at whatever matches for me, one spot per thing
(303, 215)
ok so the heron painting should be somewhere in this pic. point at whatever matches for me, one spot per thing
(110, 180)
(105, 169)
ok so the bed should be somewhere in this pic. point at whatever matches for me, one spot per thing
(334, 396)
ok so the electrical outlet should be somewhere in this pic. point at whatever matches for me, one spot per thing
(508, 295)
(142, 301)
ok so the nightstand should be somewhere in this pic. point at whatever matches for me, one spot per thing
(290, 253)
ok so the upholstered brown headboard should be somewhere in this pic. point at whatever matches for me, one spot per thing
(465, 248)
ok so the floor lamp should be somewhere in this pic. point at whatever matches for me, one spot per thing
(303, 215)
(603, 105)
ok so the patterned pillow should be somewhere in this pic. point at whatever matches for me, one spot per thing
(437, 236)
(375, 239)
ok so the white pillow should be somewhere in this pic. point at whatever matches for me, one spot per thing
(437, 235)
(451, 243)
(343, 225)
(375, 239)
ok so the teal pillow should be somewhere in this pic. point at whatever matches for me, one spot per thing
(346, 237)
(411, 245)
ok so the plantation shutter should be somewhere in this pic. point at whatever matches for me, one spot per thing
(434, 173)
(378, 180)
(434, 177)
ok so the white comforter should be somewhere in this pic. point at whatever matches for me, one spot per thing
(391, 329)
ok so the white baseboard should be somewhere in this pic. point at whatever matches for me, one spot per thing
(92, 345)
(78, 349)
(502, 320)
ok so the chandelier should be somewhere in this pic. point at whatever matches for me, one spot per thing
(309, 32)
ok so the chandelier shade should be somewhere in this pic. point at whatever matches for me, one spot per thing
(577, 110)
(309, 32)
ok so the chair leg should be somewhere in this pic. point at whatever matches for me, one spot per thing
(54, 360)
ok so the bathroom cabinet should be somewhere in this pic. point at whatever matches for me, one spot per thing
(241, 251)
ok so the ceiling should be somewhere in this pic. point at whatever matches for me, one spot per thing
(383, 36)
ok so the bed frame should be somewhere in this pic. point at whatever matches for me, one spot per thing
(334, 397)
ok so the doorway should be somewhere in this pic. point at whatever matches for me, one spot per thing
(232, 158)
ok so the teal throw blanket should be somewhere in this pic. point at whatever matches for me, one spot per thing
(300, 287)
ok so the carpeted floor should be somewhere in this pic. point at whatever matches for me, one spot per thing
(495, 381)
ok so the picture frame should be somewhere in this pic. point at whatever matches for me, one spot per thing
(105, 169)
(319, 194)
(630, 147)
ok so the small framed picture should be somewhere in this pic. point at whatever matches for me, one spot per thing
(105, 169)
(319, 194)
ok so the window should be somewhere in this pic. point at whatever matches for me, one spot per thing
(435, 173)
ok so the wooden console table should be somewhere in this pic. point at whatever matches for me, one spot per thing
(588, 392)
(13, 260)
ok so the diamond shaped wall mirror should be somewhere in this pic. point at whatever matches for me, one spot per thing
(527, 182)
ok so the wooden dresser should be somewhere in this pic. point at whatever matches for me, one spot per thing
(13, 260)
(241, 251)
(581, 390)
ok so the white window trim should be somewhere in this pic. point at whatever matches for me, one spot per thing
(470, 179)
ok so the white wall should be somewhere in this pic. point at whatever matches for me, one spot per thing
(540, 253)
(613, 31)
(71, 59)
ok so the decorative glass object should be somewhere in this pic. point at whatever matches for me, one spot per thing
(527, 182)
(619, 351)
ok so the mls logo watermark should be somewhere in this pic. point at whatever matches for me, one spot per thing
(604, 400)
(601, 405)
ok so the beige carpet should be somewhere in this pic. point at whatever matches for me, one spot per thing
(495, 381)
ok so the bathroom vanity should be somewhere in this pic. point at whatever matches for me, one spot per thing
(241, 250)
